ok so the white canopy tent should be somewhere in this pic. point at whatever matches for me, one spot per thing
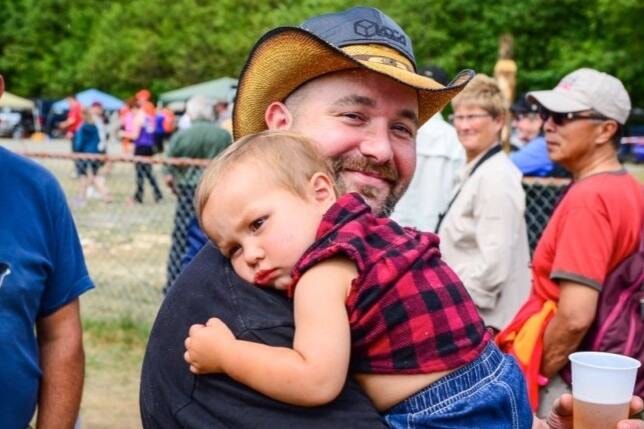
(15, 102)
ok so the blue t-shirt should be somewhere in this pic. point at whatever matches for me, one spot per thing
(532, 159)
(87, 139)
(41, 269)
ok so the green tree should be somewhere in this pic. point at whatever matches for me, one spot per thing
(52, 47)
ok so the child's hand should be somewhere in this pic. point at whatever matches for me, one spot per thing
(206, 346)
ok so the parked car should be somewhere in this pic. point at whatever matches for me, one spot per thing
(632, 148)
(16, 124)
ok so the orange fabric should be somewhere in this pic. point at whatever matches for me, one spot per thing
(143, 95)
(148, 108)
(523, 339)
(169, 120)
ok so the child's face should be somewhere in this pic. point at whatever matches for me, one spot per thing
(263, 228)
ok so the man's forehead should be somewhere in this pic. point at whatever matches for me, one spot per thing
(368, 88)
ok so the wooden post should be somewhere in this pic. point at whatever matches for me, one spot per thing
(505, 73)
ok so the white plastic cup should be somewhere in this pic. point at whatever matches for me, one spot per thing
(602, 387)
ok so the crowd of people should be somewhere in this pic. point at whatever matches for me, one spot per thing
(145, 131)
(331, 292)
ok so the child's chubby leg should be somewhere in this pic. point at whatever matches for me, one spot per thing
(206, 346)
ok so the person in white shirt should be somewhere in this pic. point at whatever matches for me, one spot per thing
(483, 233)
(439, 156)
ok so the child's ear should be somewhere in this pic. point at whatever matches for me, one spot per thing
(323, 188)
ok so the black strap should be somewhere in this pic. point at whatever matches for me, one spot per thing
(489, 154)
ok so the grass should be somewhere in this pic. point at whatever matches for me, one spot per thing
(125, 246)
(125, 249)
(114, 352)
(637, 170)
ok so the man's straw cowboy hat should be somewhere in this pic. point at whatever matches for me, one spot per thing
(361, 37)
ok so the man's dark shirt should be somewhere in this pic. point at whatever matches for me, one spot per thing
(172, 397)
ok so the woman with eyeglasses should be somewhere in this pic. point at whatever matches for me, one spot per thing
(483, 232)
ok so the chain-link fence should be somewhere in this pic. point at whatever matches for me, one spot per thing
(126, 236)
(127, 243)
(541, 195)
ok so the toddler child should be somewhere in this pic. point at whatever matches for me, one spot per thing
(370, 297)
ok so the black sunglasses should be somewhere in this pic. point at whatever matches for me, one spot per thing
(564, 118)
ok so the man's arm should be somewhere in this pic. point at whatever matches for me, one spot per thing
(63, 362)
(311, 373)
(575, 314)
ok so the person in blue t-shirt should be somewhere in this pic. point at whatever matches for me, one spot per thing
(42, 274)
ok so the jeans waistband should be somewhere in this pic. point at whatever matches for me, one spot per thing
(456, 384)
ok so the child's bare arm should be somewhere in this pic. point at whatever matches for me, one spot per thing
(310, 374)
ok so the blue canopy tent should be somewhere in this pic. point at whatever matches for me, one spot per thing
(89, 96)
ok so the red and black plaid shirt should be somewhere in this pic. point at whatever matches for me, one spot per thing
(409, 312)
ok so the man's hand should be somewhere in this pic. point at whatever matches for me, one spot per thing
(561, 415)
(207, 345)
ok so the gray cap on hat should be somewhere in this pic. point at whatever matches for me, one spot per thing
(360, 25)
(586, 89)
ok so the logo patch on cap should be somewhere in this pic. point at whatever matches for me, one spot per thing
(567, 84)
(369, 29)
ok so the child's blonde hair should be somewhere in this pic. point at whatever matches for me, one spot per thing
(483, 92)
(288, 159)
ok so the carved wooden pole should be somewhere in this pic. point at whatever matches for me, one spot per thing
(505, 73)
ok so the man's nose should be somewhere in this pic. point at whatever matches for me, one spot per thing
(377, 145)
(549, 125)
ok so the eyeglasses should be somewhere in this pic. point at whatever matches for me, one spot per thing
(563, 118)
(460, 118)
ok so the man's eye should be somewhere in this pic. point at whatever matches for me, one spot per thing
(403, 129)
(257, 223)
(353, 116)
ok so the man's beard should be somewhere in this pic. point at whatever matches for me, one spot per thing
(372, 195)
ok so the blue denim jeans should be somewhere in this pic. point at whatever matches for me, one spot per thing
(489, 392)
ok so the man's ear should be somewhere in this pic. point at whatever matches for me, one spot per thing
(278, 117)
(607, 132)
(1, 85)
(323, 189)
